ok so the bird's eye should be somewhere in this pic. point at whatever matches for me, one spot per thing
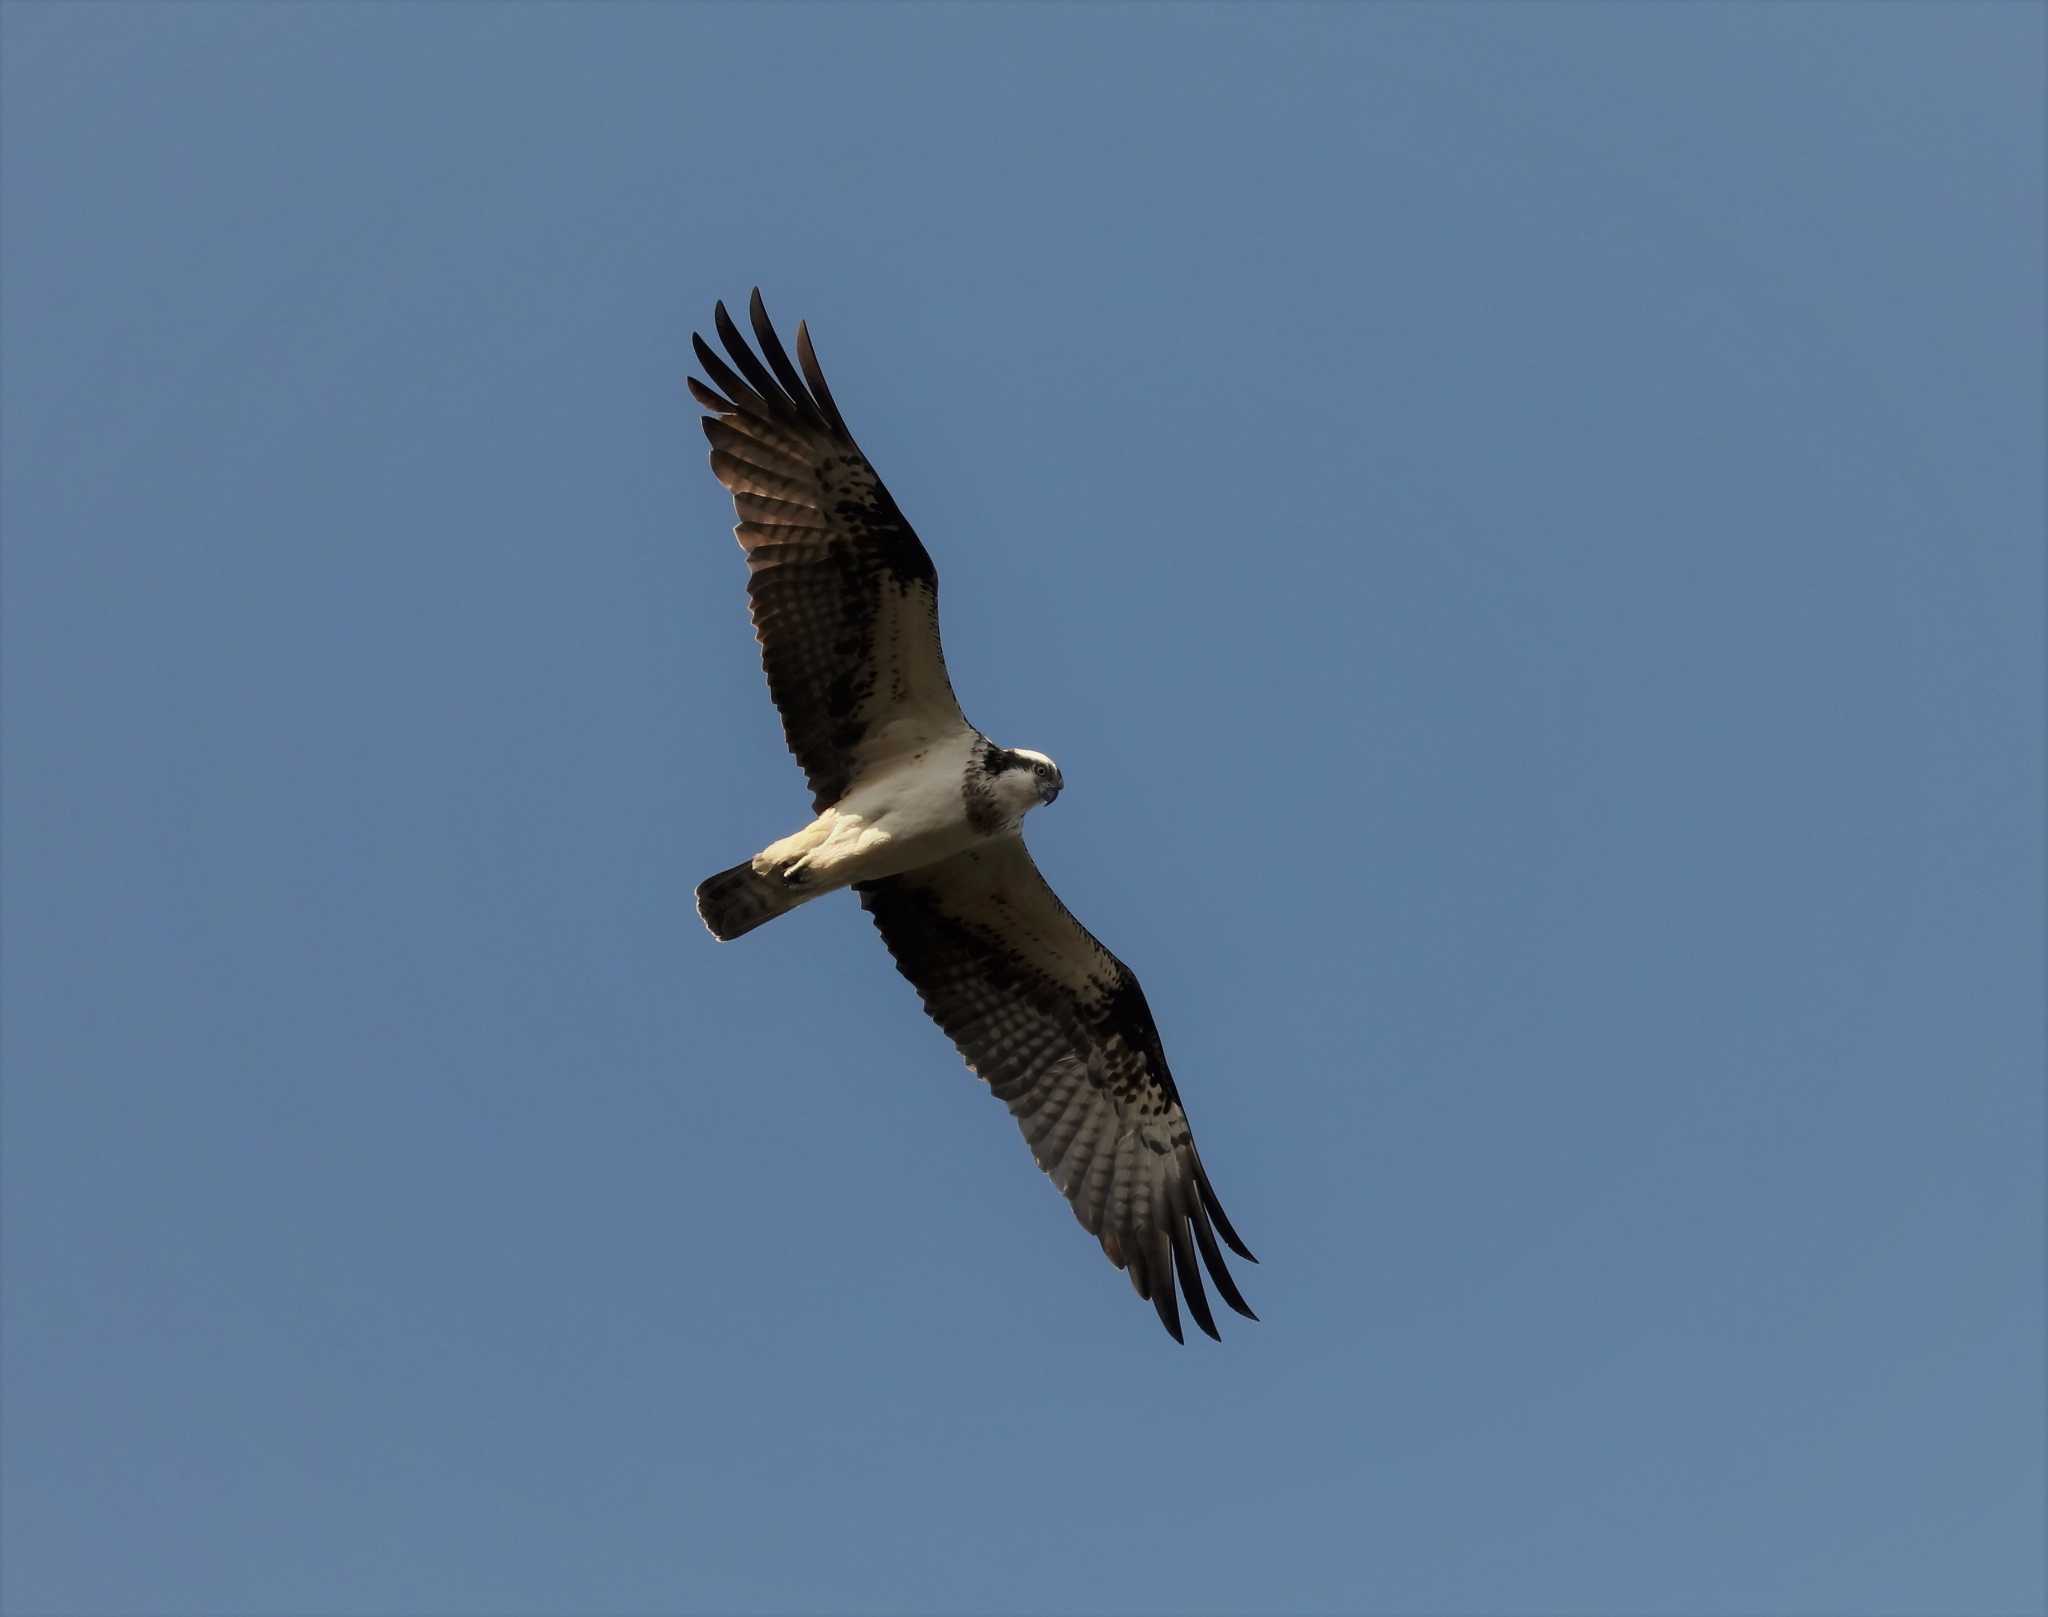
(1041, 770)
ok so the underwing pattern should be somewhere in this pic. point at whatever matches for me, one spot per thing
(844, 596)
(1059, 1029)
(920, 814)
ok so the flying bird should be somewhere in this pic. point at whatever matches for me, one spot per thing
(921, 815)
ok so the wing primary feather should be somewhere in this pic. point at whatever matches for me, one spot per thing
(742, 477)
(1190, 1275)
(760, 510)
(710, 400)
(808, 358)
(1230, 1236)
(1164, 1299)
(1135, 1267)
(778, 359)
(1205, 1238)
(763, 456)
(744, 357)
(724, 377)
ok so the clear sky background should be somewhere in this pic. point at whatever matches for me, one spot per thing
(1523, 528)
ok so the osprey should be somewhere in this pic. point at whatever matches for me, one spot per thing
(920, 814)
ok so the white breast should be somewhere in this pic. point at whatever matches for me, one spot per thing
(904, 814)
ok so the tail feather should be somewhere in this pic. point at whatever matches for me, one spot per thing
(736, 901)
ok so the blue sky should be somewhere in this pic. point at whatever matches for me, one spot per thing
(1523, 529)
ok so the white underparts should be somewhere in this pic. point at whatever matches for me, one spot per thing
(897, 817)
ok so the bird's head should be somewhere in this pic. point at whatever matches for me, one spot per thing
(1022, 779)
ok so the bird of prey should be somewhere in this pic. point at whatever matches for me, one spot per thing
(920, 814)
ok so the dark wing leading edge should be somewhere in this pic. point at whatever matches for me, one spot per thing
(1059, 1028)
(845, 599)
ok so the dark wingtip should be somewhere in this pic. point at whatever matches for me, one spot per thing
(749, 363)
(1165, 1296)
(1219, 1271)
(729, 334)
(1230, 1236)
(714, 402)
(778, 360)
(1190, 1274)
(814, 374)
(723, 375)
(1169, 1313)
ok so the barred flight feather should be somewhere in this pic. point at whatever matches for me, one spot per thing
(861, 591)
(1058, 1027)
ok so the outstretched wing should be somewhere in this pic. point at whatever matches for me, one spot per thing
(845, 599)
(1059, 1028)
